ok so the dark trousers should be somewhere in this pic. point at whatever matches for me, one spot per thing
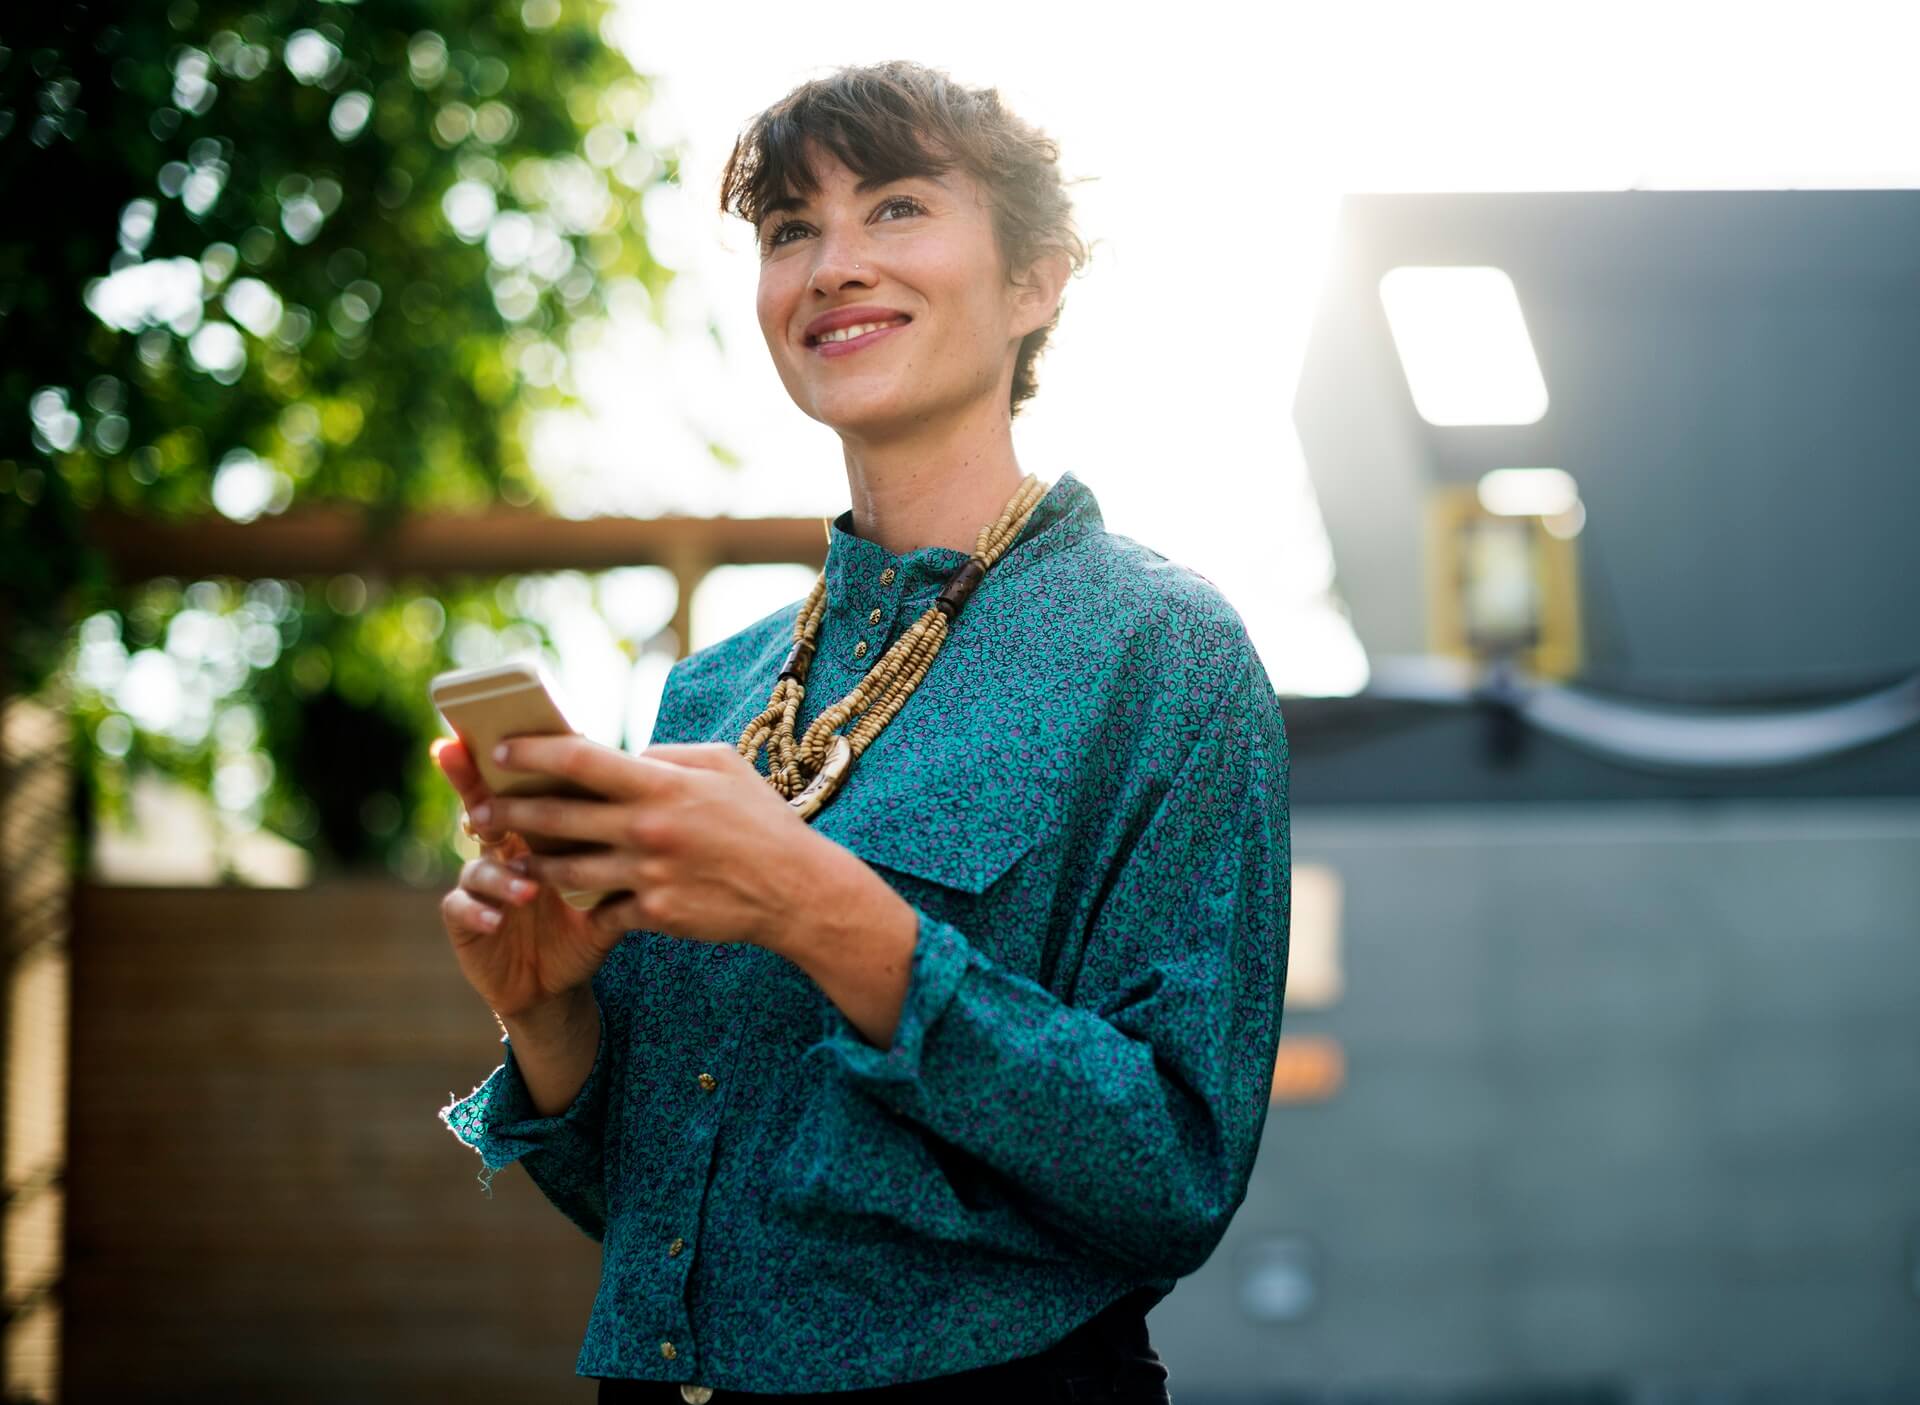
(1106, 1361)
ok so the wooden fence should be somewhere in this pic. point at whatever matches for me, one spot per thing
(262, 1201)
(225, 1179)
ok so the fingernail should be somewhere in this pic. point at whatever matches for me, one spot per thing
(490, 917)
(482, 813)
(500, 752)
(518, 864)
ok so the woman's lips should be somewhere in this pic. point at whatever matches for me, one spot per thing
(853, 344)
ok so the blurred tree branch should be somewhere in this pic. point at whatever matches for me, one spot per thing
(291, 252)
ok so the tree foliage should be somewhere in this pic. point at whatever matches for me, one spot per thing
(281, 252)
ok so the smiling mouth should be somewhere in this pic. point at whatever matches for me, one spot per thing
(840, 336)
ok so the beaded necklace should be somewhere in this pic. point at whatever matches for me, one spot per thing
(809, 771)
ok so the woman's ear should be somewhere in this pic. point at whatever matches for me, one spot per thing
(1037, 297)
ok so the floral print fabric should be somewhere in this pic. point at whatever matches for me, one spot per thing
(1086, 803)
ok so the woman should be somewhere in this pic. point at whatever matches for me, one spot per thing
(928, 1037)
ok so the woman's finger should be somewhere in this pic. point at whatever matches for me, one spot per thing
(471, 913)
(491, 836)
(604, 770)
(488, 877)
(450, 754)
(455, 764)
(598, 821)
(607, 871)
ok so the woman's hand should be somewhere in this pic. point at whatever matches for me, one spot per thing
(519, 944)
(703, 847)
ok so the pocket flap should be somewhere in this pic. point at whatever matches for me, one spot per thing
(958, 841)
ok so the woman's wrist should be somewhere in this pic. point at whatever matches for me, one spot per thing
(554, 1045)
(828, 886)
(853, 936)
(551, 1019)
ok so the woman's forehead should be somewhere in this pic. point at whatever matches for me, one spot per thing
(819, 161)
(866, 185)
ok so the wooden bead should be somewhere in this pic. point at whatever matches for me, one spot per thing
(810, 770)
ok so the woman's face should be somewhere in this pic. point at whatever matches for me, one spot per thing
(920, 248)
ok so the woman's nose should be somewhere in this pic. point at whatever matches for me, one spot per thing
(838, 266)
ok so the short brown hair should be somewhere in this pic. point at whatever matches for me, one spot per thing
(876, 120)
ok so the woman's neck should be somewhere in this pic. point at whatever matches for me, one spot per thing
(932, 491)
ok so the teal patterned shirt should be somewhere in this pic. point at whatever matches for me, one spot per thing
(1086, 803)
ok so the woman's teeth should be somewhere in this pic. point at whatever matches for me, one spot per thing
(847, 333)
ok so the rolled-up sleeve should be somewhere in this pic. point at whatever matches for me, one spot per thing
(1129, 1113)
(564, 1154)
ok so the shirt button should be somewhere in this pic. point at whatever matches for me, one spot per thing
(886, 576)
(707, 1082)
(860, 649)
(667, 1350)
(676, 1246)
(874, 618)
(696, 1394)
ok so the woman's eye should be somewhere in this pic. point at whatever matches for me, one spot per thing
(911, 205)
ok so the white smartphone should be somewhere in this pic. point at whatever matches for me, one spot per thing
(487, 704)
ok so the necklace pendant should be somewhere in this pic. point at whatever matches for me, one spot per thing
(827, 781)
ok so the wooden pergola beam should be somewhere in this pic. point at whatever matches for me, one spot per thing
(326, 540)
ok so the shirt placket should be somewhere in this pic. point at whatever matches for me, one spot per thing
(707, 1080)
(881, 601)
(853, 637)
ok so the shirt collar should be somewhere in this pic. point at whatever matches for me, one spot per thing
(854, 566)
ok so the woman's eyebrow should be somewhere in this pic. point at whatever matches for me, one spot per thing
(869, 184)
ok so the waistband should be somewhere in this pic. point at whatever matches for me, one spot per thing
(1113, 1339)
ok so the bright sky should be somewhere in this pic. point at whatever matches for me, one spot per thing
(1220, 136)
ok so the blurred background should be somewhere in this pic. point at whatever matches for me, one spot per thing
(1536, 380)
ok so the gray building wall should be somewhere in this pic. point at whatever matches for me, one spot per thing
(1632, 1098)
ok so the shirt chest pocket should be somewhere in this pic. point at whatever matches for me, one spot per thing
(944, 849)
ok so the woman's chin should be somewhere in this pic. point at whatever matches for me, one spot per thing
(859, 415)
